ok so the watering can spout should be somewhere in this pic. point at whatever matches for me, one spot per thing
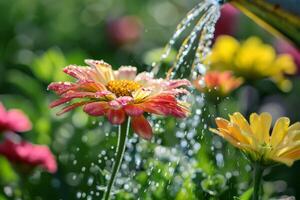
(281, 17)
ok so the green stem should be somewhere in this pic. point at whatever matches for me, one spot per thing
(257, 177)
(122, 138)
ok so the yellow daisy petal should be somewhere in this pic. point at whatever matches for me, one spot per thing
(294, 127)
(238, 119)
(260, 126)
(295, 155)
(290, 147)
(265, 123)
(236, 132)
(222, 123)
(279, 131)
(227, 136)
(289, 162)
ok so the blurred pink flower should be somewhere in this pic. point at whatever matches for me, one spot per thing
(28, 154)
(13, 120)
(284, 47)
(124, 30)
(226, 24)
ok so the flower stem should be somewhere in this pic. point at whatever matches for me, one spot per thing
(257, 177)
(122, 138)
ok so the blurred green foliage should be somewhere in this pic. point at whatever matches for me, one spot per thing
(39, 37)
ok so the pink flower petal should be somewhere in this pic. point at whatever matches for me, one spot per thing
(96, 108)
(79, 94)
(71, 107)
(18, 121)
(29, 154)
(59, 102)
(126, 73)
(114, 104)
(165, 105)
(124, 100)
(116, 116)
(133, 110)
(61, 87)
(80, 73)
(142, 127)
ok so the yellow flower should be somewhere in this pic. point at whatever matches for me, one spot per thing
(255, 140)
(252, 59)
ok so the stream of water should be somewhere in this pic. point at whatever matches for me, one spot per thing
(194, 47)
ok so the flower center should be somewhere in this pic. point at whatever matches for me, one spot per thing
(122, 87)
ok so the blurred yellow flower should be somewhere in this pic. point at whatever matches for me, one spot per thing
(255, 140)
(252, 59)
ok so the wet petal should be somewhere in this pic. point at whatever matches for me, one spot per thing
(133, 110)
(239, 119)
(222, 123)
(227, 136)
(116, 116)
(104, 70)
(142, 127)
(71, 107)
(141, 94)
(260, 126)
(237, 133)
(294, 155)
(96, 108)
(294, 127)
(287, 161)
(114, 104)
(75, 94)
(166, 105)
(266, 121)
(61, 87)
(144, 78)
(126, 73)
(59, 102)
(279, 131)
(82, 73)
(124, 100)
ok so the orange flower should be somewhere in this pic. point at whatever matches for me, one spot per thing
(121, 93)
(218, 83)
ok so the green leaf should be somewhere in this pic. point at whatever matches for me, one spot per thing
(48, 66)
(187, 191)
(246, 195)
(2, 197)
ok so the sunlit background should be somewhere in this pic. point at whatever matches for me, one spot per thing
(40, 37)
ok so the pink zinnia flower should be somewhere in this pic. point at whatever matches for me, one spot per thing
(25, 153)
(121, 93)
(13, 120)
